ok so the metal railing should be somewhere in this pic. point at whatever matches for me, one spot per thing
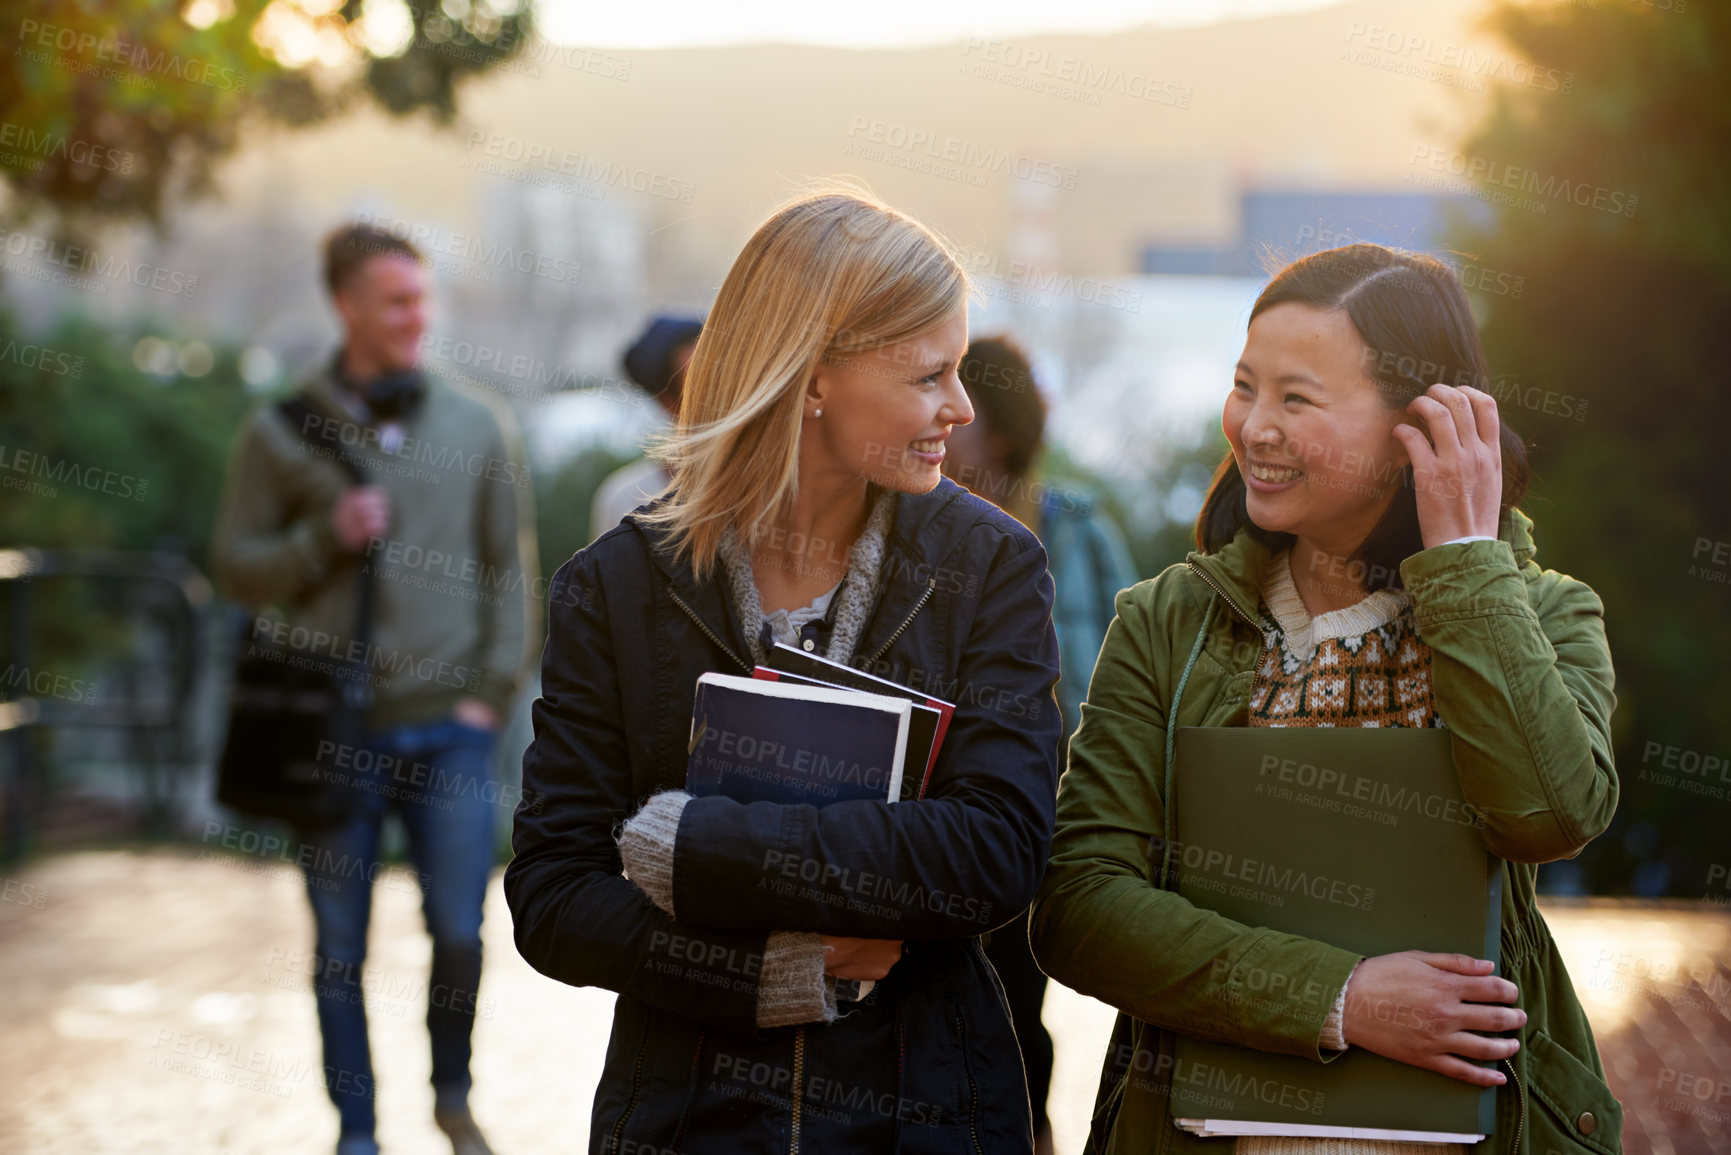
(163, 589)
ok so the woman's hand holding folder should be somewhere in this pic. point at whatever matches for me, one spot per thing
(1425, 1010)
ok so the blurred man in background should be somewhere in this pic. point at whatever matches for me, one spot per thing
(442, 529)
(656, 363)
(997, 456)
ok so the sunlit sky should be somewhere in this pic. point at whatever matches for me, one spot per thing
(884, 24)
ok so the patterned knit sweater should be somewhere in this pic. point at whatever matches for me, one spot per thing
(1364, 665)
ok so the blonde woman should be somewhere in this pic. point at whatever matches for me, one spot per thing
(806, 506)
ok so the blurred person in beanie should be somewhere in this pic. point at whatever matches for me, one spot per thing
(656, 363)
(997, 456)
(445, 479)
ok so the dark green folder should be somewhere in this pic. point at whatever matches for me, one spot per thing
(1358, 837)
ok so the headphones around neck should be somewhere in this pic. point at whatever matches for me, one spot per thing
(392, 396)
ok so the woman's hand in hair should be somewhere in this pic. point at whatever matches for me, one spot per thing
(1457, 472)
(860, 958)
(1426, 1010)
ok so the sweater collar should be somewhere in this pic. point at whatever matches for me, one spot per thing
(915, 544)
(1239, 569)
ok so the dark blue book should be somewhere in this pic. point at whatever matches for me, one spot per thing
(761, 741)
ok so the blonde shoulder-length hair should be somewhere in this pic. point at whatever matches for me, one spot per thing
(830, 275)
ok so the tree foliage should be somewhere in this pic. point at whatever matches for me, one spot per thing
(1626, 310)
(117, 111)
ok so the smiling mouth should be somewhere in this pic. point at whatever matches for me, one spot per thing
(931, 445)
(1274, 474)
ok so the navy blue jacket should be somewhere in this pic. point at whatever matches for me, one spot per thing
(928, 1062)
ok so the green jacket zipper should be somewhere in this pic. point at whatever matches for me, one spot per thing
(1224, 596)
(1521, 1101)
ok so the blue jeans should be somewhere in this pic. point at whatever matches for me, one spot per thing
(435, 775)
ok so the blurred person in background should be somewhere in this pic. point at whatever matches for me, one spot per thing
(997, 457)
(656, 363)
(449, 639)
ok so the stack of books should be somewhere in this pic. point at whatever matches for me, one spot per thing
(804, 729)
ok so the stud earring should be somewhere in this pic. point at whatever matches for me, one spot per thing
(817, 413)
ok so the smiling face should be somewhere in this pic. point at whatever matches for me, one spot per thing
(1310, 431)
(383, 307)
(888, 413)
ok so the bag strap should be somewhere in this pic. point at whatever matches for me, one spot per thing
(297, 411)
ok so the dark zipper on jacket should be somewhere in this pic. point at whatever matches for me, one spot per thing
(973, 1088)
(707, 632)
(1521, 1102)
(931, 585)
(798, 1085)
(636, 1088)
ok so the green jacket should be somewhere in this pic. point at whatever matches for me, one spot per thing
(455, 575)
(1522, 678)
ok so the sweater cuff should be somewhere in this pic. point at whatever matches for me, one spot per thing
(791, 985)
(646, 846)
(1334, 1026)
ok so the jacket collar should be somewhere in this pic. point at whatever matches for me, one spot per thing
(1237, 570)
(915, 544)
